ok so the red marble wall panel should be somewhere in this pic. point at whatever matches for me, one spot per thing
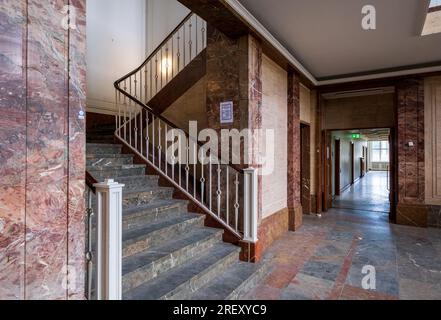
(12, 147)
(77, 161)
(410, 116)
(42, 240)
(47, 152)
(294, 176)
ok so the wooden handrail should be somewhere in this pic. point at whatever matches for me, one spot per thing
(90, 182)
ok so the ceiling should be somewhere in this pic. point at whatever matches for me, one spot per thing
(326, 36)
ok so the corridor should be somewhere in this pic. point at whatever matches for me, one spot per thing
(369, 194)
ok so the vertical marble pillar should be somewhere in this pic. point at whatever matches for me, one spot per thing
(234, 72)
(410, 130)
(77, 153)
(294, 177)
(42, 195)
(12, 147)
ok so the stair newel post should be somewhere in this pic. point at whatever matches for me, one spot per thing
(109, 240)
(250, 204)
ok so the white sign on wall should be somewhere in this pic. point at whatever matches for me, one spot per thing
(226, 112)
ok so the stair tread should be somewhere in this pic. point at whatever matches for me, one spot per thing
(118, 167)
(132, 235)
(129, 193)
(172, 279)
(103, 145)
(225, 284)
(155, 253)
(108, 155)
(155, 204)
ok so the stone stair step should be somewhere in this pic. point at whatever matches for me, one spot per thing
(142, 267)
(238, 279)
(100, 148)
(135, 217)
(135, 198)
(132, 183)
(181, 282)
(129, 170)
(103, 161)
(140, 239)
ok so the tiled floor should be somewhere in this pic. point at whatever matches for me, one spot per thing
(325, 259)
(369, 193)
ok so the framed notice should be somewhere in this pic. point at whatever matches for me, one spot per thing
(226, 112)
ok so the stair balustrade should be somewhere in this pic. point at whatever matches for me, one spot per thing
(225, 191)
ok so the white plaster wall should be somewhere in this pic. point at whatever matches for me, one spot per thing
(274, 116)
(120, 36)
(162, 17)
(116, 44)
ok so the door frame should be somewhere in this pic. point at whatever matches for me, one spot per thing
(393, 168)
(306, 204)
(337, 169)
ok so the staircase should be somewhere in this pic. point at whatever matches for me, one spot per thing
(167, 251)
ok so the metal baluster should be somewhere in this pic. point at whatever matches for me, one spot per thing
(156, 76)
(153, 139)
(190, 42)
(178, 55)
(187, 167)
(173, 56)
(141, 133)
(211, 181)
(173, 158)
(203, 34)
(179, 161)
(166, 65)
(151, 80)
(147, 135)
(195, 161)
(183, 45)
(236, 205)
(125, 112)
(130, 112)
(166, 149)
(228, 195)
(202, 175)
(159, 144)
(196, 33)
(146, 86)
(161, 71)
(218, 192)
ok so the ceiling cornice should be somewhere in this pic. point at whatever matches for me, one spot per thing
(240, 10)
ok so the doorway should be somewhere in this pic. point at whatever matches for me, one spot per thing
(305, 167)
(361, 164)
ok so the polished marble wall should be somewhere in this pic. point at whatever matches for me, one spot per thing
(42, 83)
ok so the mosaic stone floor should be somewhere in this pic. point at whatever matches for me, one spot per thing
(325, 258)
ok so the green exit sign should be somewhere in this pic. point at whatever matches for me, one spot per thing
(356, 136)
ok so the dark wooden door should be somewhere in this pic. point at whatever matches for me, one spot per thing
(305, 167)
(337, 168)
(352, 163)
(393, 187)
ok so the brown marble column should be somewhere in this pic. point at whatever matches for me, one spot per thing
(410, 129)
(234, 71)
(294, 177)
